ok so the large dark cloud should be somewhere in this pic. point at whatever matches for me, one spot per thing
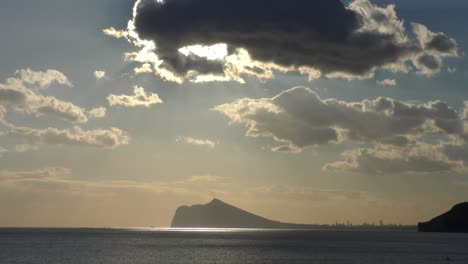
(325, 35)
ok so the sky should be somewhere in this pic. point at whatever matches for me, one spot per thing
(115, 112)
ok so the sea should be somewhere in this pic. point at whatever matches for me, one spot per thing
(243, 246)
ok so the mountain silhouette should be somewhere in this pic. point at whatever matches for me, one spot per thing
(455, 220)
(217, 214)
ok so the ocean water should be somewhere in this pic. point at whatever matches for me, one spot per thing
(145, 246)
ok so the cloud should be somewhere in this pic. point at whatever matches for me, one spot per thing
(290, 149)
(225, 40)
(456, 152)
(301, 193)
(21, 148)
(99, 75)
(448, 155)
(98, 112)
(22, 99)
(115, 32)
(45, 173)
(465, 111)
(101, 138)
(59, 179)
(387, 82)
(197, 142)
(416, 158)
(205, 178)
(398, 137)
(3, 151)
(435, 46)
(2, 112)
(301, 118)
(40, 79)
(139, 98)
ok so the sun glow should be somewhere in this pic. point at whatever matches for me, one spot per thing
(214, 52)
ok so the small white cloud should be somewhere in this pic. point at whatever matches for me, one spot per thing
(290, 149)
(387, 82)
(139, 98)
(96, 113)
(99, 75)
(40, 79)
(197, 142)
(115, 33)
(22, 99)
(145, 68)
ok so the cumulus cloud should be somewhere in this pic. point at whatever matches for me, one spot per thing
(448, 155)
(139, 98)
(197, 142)
(39, 79)
(22, 99)
(225, 40)
(387, 82)
(99, 75)
(397, 137)
(301, 118)
(101, 138)
(416, 158)
(290, 149)
(436, 46)
(98, 112)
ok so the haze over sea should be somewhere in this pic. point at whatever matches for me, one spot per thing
(145, 246)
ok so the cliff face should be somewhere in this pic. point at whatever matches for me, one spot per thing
(218, 214)
(455, 220)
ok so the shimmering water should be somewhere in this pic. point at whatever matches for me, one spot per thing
(141, 246)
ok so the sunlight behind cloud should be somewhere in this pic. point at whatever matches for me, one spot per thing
(214, 52)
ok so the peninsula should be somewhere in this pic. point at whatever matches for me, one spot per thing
(455, 220)
(218, 214)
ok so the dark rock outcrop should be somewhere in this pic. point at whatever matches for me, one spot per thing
(455, 220)
(218, 214)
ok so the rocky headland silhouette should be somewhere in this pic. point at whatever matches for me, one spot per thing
(218, 214)
(455, 220)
